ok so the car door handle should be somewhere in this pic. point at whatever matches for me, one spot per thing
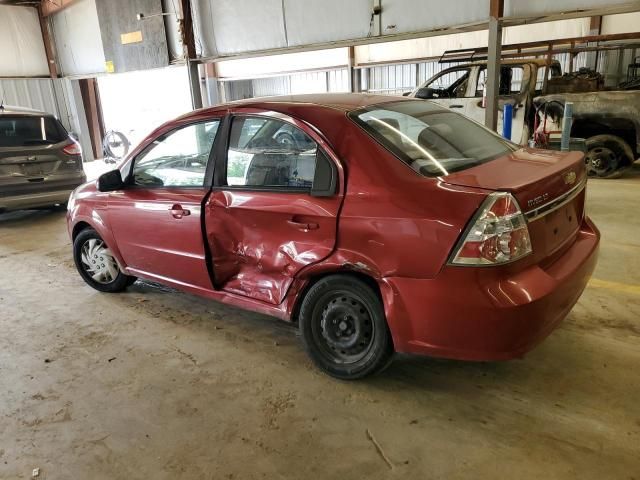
(456, 106)
(178, 212)
(305, 227)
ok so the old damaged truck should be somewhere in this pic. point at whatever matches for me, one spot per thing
(608, 120)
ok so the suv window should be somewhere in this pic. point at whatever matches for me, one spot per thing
(177, 159)
(264, 152)
(432, 141)
(510, 80)
(28, 130)
(451, 84)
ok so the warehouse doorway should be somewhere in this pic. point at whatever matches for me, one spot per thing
(135, 103)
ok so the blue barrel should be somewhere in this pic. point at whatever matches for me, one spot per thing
(507, 121)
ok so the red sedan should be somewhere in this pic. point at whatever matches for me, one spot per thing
(378, 224)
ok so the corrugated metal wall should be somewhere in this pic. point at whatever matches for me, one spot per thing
(52, 96)
(614, 64)
(336, 80)
(397, 79)
(400, 78)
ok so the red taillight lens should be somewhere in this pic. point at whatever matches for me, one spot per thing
(73, 149)
(498, 235)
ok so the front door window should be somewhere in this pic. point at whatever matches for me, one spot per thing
(178, 159)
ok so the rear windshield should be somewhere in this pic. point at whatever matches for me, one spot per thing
(432, 141)
(23, 131)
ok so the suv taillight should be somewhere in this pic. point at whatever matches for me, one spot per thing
(498, 234)
(72, 149)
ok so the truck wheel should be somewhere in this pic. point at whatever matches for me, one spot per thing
(607, 156)
(344, 329)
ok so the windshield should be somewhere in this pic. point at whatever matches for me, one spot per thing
(23, 131)
(432, 141)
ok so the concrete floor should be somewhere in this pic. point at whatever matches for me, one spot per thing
(157, 384)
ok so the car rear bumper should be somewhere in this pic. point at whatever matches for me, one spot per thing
(34, 200)
(52, 190)
(486, 314)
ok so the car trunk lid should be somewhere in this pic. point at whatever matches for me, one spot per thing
(548, 185)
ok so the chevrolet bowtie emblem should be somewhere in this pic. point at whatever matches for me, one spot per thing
(569, 178)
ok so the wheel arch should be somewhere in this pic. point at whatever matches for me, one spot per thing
(84, 222)
(78, 227)
(314, 278)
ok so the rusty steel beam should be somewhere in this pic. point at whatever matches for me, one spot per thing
(48, 44)
(93, 113)
(49, 7)
(186, 30)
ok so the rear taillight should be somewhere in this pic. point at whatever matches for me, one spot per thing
(498, 235)
(72, 149)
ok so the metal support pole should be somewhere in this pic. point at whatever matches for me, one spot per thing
(507, 120)
(194, 82)
(493, 67)
(351, 72)
(567, 121)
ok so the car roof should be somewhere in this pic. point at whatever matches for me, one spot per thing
(340, 101)
(14, 110)
(336, 101)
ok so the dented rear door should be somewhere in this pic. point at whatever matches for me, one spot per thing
(274, 206)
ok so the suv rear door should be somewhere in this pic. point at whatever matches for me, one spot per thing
(274, 205)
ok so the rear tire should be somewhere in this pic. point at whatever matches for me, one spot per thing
(344, 329)
(607, 156)
(96, 264)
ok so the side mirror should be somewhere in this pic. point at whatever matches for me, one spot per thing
(424, 93)
(110, 181)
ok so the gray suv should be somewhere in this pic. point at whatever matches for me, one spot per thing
(40, 164)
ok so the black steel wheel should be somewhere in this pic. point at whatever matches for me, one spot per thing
(607, 155)
(344, 328)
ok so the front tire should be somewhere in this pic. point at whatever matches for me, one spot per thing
(96, 264)
(344, 329)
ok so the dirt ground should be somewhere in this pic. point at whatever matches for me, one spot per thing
(158, 384)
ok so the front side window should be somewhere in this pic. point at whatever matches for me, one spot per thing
(177, 159)
(265, 152)
(451, 84)
(431, 140)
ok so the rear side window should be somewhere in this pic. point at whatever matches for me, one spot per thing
(432, 141)
(27, 130)
(269, 153)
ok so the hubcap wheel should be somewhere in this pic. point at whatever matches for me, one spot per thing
(344, 328)
(98, 261)
(601, 161)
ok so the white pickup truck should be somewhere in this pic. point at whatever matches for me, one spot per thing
(609, 121)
